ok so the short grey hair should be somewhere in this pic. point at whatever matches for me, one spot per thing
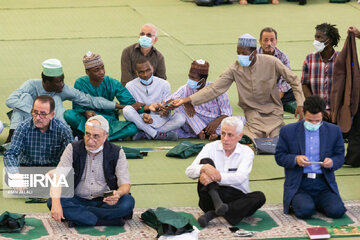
(233, 122)
(152, 26)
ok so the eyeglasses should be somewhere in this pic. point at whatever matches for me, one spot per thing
(147, 34)
(41, 114)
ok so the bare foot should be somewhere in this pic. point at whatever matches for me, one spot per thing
(275, 1)
(201, 135)
(243, 2)
(213, 137)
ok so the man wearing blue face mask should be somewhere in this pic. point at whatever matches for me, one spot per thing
(143, 49)
(157, 122)
(256, 78)
(317, 72)
(310, 151)
(202, 121)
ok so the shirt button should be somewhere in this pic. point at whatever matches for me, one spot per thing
(92, 170)
(91, 183)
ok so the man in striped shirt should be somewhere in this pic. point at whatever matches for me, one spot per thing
(202, 121)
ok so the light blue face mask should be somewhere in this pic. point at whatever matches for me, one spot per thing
(244, 60)
(145, 42)
(312, 127)
(193, 84)
(147, 82)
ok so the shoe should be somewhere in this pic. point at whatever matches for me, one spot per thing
(140, 135)
(171, 136)
(302, 2)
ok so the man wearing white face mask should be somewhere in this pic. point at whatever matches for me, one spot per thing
(317, 72)
(154, 120)
(202, 121)
(256, 82)
(144, 49)
(310, 152)
(99, 167)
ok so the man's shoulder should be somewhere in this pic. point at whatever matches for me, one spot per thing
(291, 126)
(26, 124)
(130, 47)
(82, 79)
(158, 80)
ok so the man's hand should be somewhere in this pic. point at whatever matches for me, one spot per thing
(119, 106)
(147, 118)
(328, 163)
(211, 172)
(302, 161)
(179, 101)
(355, 31)
(112, 200)
(57, 212)
(89, 114)
(189, 109)
(213, 125)
(164, 112)
(155, 107)
(299, 111)
(137, 105)
(205, 179)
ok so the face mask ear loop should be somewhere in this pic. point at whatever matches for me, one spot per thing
(251, 57)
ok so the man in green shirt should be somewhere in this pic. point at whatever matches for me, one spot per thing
(97, 84)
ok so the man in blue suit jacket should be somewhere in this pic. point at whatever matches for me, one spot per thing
(310, 151)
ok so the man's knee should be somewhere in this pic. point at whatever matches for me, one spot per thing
(132, 129)
(259, 198)
(72, 117)
(128, 202)
(335, 211)
(306, 211)
(207, 161)
(128, 111)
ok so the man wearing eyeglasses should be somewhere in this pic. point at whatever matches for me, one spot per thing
(143, 49)
(40, 140)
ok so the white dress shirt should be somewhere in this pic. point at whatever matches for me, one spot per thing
(234, 170)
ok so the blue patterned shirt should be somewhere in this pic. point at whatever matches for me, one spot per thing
(31, 147)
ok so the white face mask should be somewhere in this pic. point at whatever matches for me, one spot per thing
(319, 46)
(96, 150)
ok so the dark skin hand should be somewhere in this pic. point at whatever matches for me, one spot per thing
(189, 109)
(137, 105)
(89, 114)
(213, 125)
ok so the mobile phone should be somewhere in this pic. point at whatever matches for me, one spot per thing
(168, 104)
(108, 193)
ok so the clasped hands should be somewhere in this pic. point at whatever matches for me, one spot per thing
(209, 174)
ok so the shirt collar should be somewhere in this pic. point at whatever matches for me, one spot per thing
(276, 51)
(153, 49)
(51, 126)
(237, 149)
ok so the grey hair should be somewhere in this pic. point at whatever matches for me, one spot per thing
(233, 122)
(152, 26)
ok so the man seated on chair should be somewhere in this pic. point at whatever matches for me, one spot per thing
(157, 122)
(97, 84)
(223, 168)
(99, 166)
(202, 121)
(310, 152)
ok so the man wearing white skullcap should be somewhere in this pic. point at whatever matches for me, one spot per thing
(256, 82)
(52, 84)
(101, 180)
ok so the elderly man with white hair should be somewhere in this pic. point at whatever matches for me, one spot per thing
(143, 49)
(101, 180)
(223, 169)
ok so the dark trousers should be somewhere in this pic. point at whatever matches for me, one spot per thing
(315, 194)
(353, 152)
(288, 97)
(240, 204)
(87, 212)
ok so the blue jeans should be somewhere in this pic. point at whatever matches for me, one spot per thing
(87, 212)
(315, 194)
